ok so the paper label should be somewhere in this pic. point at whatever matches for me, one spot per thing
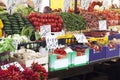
(81, 38)
(4, 67)
(52, 42)
(45, 30)
(102, 25)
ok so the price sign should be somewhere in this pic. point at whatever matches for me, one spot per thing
(85, 4)
(44, 30)
(52, 42)
(102, 25)
(4, 67)
(81, 38)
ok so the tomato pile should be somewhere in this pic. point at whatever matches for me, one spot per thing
(60, 53)
(54, 20)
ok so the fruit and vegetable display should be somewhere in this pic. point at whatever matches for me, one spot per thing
(1, 27)
(20, 39)
(27, 54)
(73, 22)
(6, 45)
(92, 19)
(27, 31)
(111, 16)
(35, 72)
(99, 33)
(13, 24)
(54, 20)
(60, 53)
(93, 4)
(80, 50)
(25, 10)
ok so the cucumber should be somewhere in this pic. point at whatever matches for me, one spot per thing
(6, 23)
(9, 32)
(15, 28)
(16, 31)
(7, 28)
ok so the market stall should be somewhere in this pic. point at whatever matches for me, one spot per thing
(42, 37)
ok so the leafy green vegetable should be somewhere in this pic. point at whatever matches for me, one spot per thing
(27, 31)
(6, 45)
(23, 9)
(72, 21)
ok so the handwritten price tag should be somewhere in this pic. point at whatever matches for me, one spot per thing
(4, 67)
(81, 38)
(44, 30)
(52, 42)
(102, 25)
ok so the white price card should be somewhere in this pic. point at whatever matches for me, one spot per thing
(102, 25)
(44, 30)
(52, 42)
(85, 4)
(81, 38)
(4, 67)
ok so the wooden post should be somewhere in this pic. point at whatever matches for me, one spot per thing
(75, 7)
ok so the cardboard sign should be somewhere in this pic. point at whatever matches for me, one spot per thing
(81, 38)
(4, 67)
(45, 30)
(52, 42)
(102, 25)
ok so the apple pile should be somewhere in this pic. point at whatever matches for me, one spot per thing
(38, 20)
(61, 53)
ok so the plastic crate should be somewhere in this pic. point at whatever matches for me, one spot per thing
(80, 60)
(110, 53)
(96, 56)
(59, 64)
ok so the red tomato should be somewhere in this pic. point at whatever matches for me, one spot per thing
(60, 20)
(38, 19)
(59, 24)
(40, 24)
(57, 29)
(35, 23)
(52, 20)
(54, 29)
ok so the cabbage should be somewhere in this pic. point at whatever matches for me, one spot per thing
(23, 9)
